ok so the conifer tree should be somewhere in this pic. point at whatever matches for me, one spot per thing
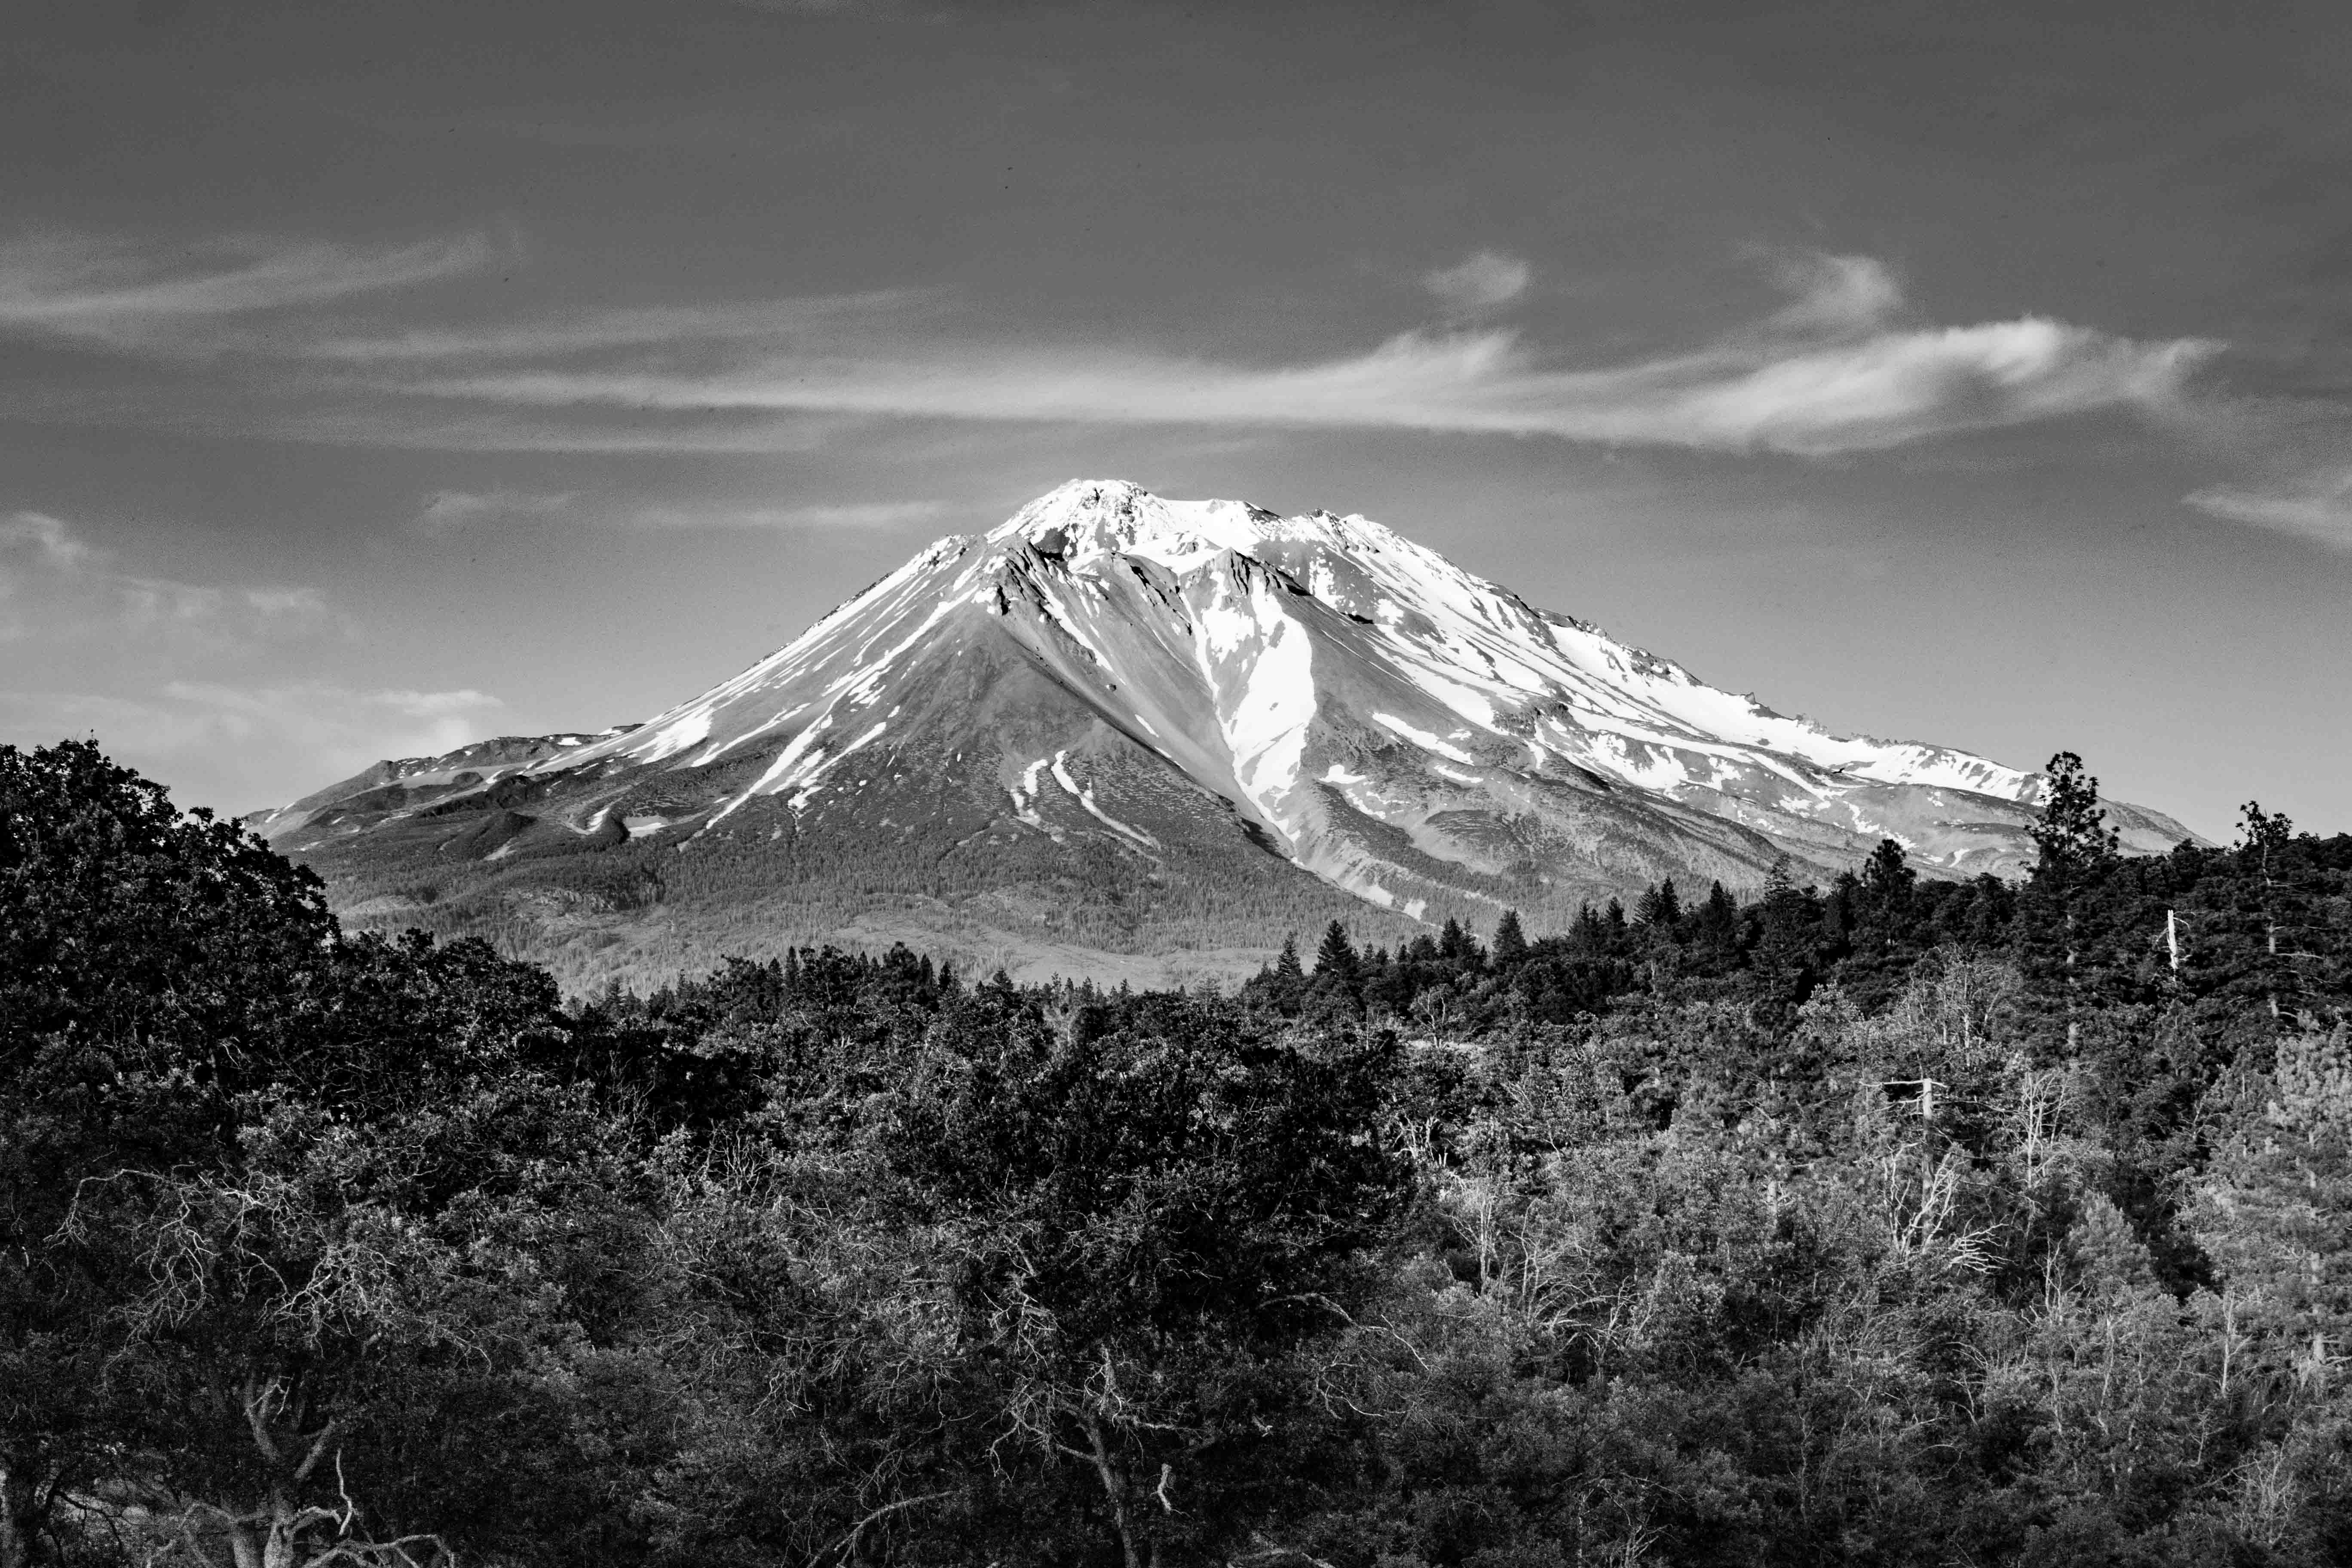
(1887, 875)
(1453, 941)
(2075, 845)
(1659, 907)
(1719, 925)
(2264, 837)
(1287, 966)
(1336, 958)
(1510, 941)
(2072, 833)
(1882, 902)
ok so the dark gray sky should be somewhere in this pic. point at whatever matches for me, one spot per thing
(378, 377)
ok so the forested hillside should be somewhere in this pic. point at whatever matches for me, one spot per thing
(1888, 1222)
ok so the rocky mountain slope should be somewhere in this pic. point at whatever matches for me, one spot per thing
(1121, 734)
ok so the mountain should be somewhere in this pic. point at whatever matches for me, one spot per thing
(1136, 737)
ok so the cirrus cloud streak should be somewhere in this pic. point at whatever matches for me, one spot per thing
(76, 588)
(81, 288)
(1869, 392)
(1837, 367)
(2316, 505)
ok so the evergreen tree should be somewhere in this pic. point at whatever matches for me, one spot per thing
(1659, 908)
(2262, 841)
(1716, 930)
(1334, 960)
(1452, 943)
(1286, 967)
(1887, 876)
(2072, 833)
(1884, 921)
(1510, 941)
(1839, 908)
(2075, 847)
(1790, 930)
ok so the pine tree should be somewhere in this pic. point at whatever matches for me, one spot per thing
(1452, 940)
(1510, 941)
(1887, 875)
(1589, 933)
(1336, 958)
(1659, 908)
(2075, 846)
(1286, 967)
(1718, 926)
(1884, 935)
(2072, 833)
(2263, 839)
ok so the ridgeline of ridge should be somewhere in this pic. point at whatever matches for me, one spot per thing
(1136, 738)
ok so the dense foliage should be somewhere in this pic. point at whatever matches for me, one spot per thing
(1902, 1221)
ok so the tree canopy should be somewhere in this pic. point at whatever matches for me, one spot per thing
(1784, 1229)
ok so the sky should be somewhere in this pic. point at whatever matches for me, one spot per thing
(379, 378)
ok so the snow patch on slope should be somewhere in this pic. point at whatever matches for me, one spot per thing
(1259, 667)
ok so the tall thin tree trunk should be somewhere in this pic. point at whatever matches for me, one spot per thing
(2271, 978)
(2073, 1024)
(1115, 1488)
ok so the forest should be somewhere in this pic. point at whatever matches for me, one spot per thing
(1899, 1221)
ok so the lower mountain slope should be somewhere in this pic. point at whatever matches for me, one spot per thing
(1142, 739)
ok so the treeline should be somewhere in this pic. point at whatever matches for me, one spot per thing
(2222, 934)
(1895, 1222)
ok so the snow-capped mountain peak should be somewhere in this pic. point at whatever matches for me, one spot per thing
(1114, 668)
(1086, 520)
(1276, 658)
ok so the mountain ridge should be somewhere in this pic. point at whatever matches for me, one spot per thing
(1168, 698)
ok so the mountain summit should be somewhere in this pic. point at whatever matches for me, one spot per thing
(1123, 725)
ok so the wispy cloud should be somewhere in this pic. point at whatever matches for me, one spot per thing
(459, 509)
(1836, 296)
(79, 587)
(1843, 366)
(232, 745)
(1810, 397)
(665, 327)
(417, 704)
(309, 696)
(83, 287)
(2316, 505)
(1483, 281)
(447, 510)
(826, 7)
(35, 533)
(845, 515)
